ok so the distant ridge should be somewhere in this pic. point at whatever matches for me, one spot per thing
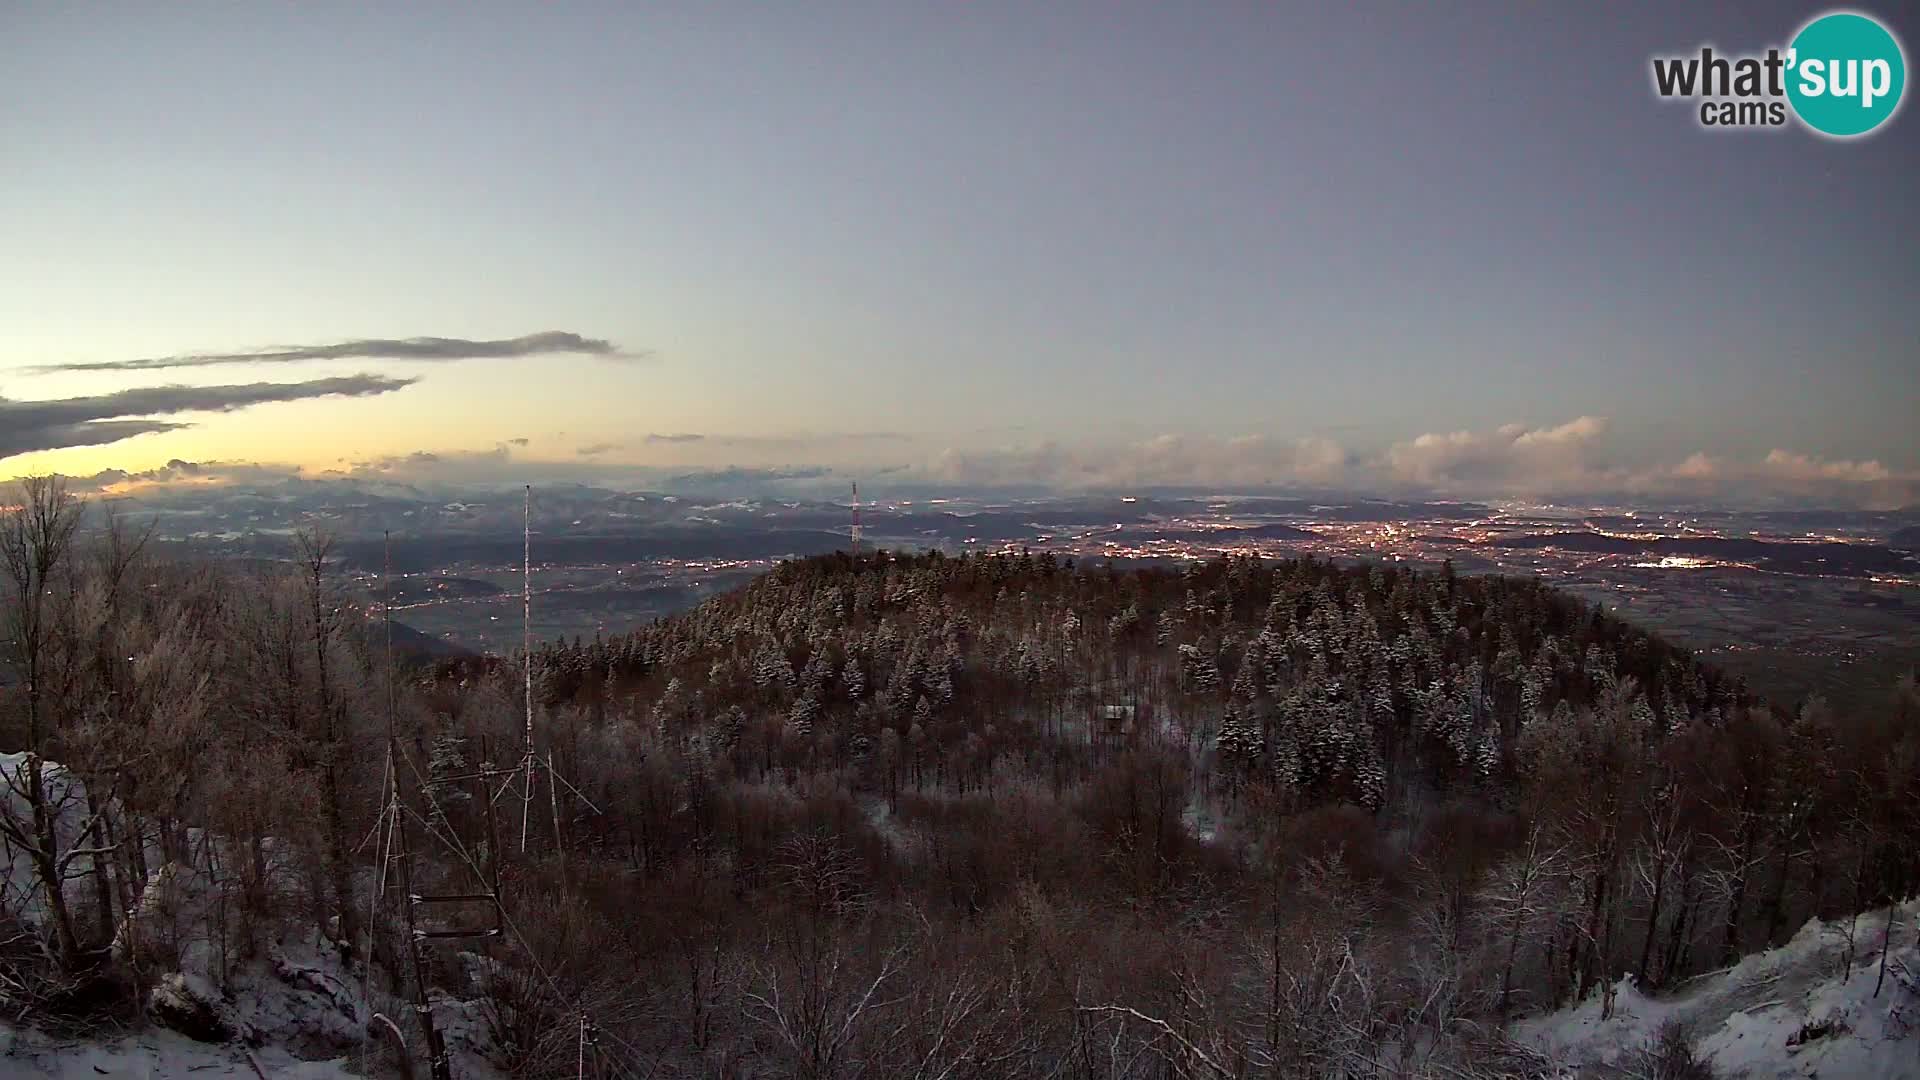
(1815, 557)
(416, 645)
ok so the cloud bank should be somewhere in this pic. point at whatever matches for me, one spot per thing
(424, 350)
(1566, 462)
(27, 426)
(1165, 461)
(1785, 474)
(777, 442)
(1513, 458)
(1572, 460)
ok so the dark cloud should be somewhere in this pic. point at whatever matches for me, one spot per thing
(518, 442)
(24, 440)
(596, 449)
(426, 350)
(682, 438)
(26, 426)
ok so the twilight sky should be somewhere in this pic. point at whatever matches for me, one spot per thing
(1459, 247)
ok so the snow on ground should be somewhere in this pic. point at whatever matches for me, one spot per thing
(301, 1008)
(151, 1055)
(298, 999)
(1198, 819)
(297, 1004)
(1794, 1011)
(903, 840)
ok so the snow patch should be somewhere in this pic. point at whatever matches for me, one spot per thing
(20, 890)
(292, 1008)
(1796, 1011)
(153, 1055)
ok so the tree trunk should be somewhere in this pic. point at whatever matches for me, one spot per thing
(1675, 958)
(258, 887)
(1506, 969)
(128, 892)
(1584, 946)
(1653, 921)
(46, 861)
(102, 870)
(137, 856)
(1777, 900)
(1730, 950)
(339, 869)
(1886, 944)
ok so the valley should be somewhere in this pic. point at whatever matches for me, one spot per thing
(1798, 602)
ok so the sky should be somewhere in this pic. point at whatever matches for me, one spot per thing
(1436, 246)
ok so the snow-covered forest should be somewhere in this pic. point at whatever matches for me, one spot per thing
(999, 815)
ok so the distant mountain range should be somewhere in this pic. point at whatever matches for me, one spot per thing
(1817, 557)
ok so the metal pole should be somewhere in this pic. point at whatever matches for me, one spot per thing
(422, 1005)
(526, 645)
(486, 803)
(553, 802)
(526, 609)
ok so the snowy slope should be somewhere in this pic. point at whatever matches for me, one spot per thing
(164, 1055)
(20, 889)
(304, 1012)
(1794, 1011)
(152, 1055)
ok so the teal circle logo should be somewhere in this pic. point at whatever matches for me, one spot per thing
(1845, 74)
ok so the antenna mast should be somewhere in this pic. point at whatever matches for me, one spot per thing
(526, 609)
(526, 645)
(855, 533)
(438, 827)
(531, 762)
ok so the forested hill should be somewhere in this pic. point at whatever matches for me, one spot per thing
(1367, 685)
(1483, 790)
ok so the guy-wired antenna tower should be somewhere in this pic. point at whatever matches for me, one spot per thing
(395, 841)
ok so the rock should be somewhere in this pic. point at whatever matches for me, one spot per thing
(192, 1010)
